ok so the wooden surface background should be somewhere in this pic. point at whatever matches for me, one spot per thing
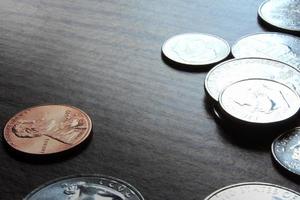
(152, 126)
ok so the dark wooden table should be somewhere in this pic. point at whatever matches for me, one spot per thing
(152, 126)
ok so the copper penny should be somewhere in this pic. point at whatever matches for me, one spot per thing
(47, 129)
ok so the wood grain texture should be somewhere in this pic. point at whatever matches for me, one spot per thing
(152, 126)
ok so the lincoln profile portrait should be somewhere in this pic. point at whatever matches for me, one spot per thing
(66, 130)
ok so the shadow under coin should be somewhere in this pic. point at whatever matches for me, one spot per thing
(47, 158)
(250, 137)
(286, 173)
(268, 27)
(187, 68)
(210, 104)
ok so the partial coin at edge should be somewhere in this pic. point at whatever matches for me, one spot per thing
(286, 150)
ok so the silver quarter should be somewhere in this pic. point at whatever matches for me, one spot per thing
(259, 101)
(277, 46)
(196, 49)
(281, 14)
(286, 150)
(235, 70)
(85, 187)
(254, 191)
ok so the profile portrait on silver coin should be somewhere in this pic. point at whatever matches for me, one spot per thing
(296, 151)
(88, 191)
(194, 49)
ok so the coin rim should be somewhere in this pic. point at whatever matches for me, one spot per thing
(275, 155)
(262, 33)
(206, 88)
(252, 122)
(193, 33)
(56, 152)
(82, 176)
(260, 14)
(249, 183)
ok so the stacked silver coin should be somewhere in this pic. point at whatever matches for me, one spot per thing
(254, 92)
(260, 95)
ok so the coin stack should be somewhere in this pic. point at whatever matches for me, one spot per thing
(254, 93)
(257, 91)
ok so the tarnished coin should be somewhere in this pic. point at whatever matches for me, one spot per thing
(196, 49)
(86, 187)
(286, 150)
(281, 14)
(259, 101)
(254, 191)
(235, 70)
(47, 129)
(277, 46)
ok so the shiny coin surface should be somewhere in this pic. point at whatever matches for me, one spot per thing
(259, 101)
(196, 49)
(235, 70)
(286, 150)
(281, 14)
(86, 187)
(47, 129)
(276, 46)
(254, 191)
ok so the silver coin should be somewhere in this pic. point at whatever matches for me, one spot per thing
(283, 14)
(235, 70)
(259, 101)
(254, 191)
(286, 150)
(85, 187)
(277, 46)
(196, 49)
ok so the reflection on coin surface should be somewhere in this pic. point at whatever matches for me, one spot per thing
(47, 129)
(254, 191)
(86, 187)
(196, 49)
(286, 150)
(235, 70)
(217, 114)
(277, 46)
(259, 101)
(281, 14)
